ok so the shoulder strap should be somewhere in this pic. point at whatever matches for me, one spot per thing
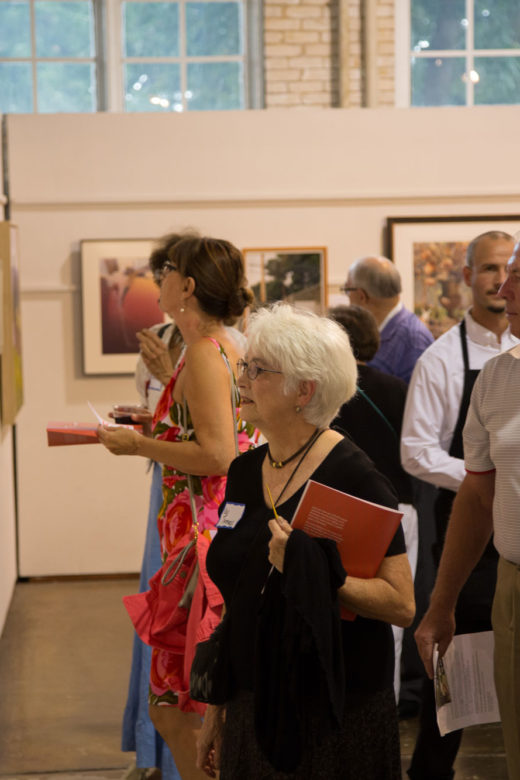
(379, 412)
(464, 344)
(233, 392)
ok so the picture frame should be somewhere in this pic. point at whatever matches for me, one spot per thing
(430, 253)
(11, 374)
(119, 298)
(297, 275)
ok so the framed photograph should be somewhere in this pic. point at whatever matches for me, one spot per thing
(430, 253)
(119, 298)
(11, 378)
(297, 275)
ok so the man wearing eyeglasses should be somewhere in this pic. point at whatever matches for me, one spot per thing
(375, 284)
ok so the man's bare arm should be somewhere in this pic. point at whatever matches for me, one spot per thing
(469, 530)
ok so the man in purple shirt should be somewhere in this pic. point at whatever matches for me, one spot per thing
(375, 284)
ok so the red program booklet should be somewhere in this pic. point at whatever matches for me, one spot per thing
(61, 433)
(362, 530)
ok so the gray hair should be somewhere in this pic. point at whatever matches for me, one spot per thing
(378, 276)
(306, 347)
(493, 235)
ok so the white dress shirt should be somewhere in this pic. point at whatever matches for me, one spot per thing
(433, 402)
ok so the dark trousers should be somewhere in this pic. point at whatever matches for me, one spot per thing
(433, 755)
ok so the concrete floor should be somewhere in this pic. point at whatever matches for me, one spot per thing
(64, 665)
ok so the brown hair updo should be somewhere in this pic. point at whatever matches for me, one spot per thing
(217, 267)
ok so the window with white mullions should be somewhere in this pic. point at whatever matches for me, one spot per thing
(459, 52)
(47, 56)
(130, 55)
(184, 55)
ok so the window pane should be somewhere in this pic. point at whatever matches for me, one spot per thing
(438, 81)
(499, 80)
(214, 85)
(151, 29)
(15, 88)
(438, 24)
(66, 86)
(213, 28)
(64, 29)
(15, 29)
(153, 87)
(497, 24)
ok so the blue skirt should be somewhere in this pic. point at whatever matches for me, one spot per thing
(139, 733)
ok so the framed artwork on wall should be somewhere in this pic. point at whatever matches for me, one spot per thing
(11, 377)
(119, 298)
(297, 275)
(430, 253)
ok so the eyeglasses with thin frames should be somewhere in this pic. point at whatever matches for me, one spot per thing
(164, 270)
(346, 289)
(253, 370)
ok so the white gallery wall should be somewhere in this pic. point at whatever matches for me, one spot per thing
(259, 178)
(7, 478)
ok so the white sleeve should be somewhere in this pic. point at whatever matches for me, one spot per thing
(423, 453)
(477, 456)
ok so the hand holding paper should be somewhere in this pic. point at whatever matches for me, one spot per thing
(119, 440)
(64, 433)
(464, 684)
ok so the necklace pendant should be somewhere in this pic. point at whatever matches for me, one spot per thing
(277, 464)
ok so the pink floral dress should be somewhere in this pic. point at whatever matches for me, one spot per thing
(175, 519)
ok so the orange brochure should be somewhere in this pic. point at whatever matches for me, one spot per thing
(60, 433)
(362, 530)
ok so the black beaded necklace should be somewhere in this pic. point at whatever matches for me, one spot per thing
(279, 464)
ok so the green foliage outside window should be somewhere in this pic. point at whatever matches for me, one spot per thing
(499, 80)
(151, 29)
(213, 29)
(497, 24)
(214, 86)
(66, 87)
(15, 29)
(438, 25)
(153, 87)
(16, 95)
(64, 29)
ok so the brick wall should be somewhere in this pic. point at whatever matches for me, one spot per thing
(385, 59)
(352, 60)
(300, 53)
(314, 53)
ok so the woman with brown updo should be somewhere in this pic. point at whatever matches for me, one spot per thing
(203, 288)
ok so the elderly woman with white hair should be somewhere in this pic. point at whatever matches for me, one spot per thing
(311, 695)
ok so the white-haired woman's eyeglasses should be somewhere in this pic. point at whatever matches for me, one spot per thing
(253, 370)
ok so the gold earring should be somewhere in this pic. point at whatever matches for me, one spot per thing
(182, 310)
(297, 409)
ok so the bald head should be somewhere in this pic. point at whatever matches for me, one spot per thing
(377, 276)
(483, 241)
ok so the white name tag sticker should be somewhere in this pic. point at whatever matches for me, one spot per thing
(231, 514)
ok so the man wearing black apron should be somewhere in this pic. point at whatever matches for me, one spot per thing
(434, 755)
(431, 449)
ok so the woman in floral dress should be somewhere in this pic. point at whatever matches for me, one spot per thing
(203, 289)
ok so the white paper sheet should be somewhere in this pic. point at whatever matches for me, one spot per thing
(464, 684)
